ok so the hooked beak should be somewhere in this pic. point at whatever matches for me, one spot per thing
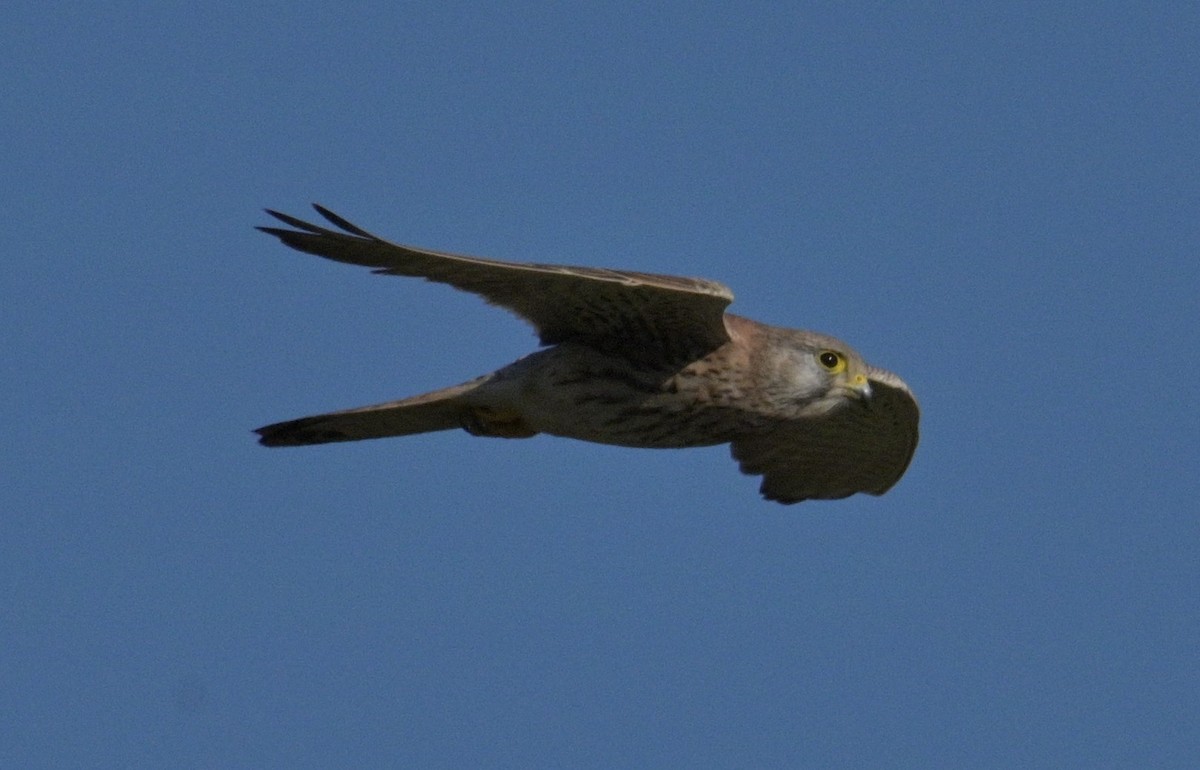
(860, 387)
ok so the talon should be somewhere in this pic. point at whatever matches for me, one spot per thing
(482, 421)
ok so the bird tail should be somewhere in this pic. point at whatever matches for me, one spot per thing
(440, 410)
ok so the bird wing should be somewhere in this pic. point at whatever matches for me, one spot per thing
(636, 315)
(864, 447)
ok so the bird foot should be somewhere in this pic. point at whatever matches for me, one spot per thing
(498, 423)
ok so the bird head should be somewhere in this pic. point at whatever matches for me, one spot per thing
(820, 374)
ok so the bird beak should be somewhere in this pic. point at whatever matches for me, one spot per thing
(861, 387)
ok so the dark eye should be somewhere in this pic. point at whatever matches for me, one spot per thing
(831, 361)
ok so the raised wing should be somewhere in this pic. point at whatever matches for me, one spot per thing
(865, 447)
(640, 316)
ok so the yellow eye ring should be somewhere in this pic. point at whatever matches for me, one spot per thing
(833, 361)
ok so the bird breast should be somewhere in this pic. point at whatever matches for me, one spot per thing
(579, 392)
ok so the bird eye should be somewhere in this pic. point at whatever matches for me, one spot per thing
(834, 362)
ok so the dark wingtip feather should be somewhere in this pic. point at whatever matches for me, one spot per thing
(299, 224)
(308, 228)
(349, 227)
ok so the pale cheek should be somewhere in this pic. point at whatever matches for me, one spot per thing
(805, 381)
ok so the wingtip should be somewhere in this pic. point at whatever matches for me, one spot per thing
(291, 221)
(339, 222)
(276, 214)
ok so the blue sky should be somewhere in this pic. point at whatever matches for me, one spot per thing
(999, 202)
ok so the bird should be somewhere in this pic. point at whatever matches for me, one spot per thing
(641, 360)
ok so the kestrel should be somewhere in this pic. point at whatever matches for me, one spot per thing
(639, 360)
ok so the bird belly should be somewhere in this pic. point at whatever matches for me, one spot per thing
(578, 392)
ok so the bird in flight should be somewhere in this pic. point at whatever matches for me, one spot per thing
(638, 360)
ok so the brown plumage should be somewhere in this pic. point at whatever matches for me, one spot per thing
(640, 360)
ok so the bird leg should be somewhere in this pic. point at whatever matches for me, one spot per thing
(498, 423)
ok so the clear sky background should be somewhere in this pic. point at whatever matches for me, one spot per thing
(999, 201)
